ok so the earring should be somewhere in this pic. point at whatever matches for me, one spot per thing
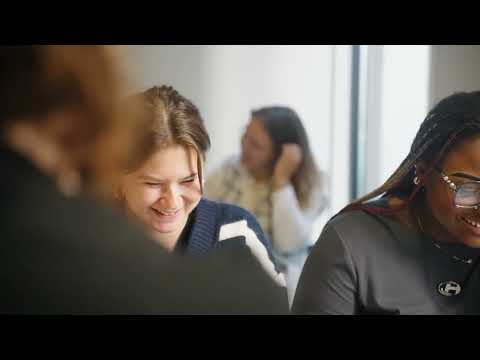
(416, 180)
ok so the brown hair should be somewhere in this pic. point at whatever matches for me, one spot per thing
(36, 81)
(284, 126)
(171, 119)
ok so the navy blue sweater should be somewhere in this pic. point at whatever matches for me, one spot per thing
(214, 224)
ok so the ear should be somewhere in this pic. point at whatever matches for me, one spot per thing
(421, 172)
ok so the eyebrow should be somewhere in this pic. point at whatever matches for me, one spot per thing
(151, 178)
(190, 176)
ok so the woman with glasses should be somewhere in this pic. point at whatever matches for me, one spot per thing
(412, 246)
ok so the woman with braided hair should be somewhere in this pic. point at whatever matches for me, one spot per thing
(412, 246)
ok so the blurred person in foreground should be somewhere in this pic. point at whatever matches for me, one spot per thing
(64, 138)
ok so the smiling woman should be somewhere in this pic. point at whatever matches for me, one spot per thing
(163, 192)
(163, 188)
(416, 248)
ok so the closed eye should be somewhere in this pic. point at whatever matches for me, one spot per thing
(152, 184)
(189, 180)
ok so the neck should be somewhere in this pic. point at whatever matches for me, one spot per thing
(261, 175)
(169, 240)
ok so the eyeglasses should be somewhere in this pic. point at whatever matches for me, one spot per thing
(467, 195)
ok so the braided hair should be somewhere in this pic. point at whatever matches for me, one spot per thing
(452, 120)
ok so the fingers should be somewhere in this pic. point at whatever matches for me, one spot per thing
(292, 151)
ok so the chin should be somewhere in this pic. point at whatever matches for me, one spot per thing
(165, 228)
(249, 167)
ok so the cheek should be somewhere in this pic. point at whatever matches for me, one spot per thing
(442, 207)
(265, 157)
(251, 153)
(149, 196)
(139, 197)
(257, 156)
(191, 197)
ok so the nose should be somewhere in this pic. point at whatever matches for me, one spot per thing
(170, 197)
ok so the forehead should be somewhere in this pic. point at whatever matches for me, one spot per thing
(171, 162)
(465, 156)
(256, 130)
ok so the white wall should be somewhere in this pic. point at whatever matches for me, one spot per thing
(454, 68)
(400, 84)
(395, 102)
(405, 102)
(227, 82)
(184, 67)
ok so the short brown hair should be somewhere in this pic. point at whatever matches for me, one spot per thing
(171, 119)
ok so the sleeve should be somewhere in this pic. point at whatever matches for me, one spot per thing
(292, 226)
(328, 283)
(246, 227)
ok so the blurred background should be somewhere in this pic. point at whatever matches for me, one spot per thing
(361, 104)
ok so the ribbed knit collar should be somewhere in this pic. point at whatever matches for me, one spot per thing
(203, 234)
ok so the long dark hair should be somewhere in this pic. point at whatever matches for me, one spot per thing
(284, 126)
(451, 121)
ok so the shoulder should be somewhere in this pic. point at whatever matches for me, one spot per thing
(366, 235)
(223, 176)
(352, 224)
(228, 214)
(231, 213)
(231, 163)
(352, 246)
(238, 227)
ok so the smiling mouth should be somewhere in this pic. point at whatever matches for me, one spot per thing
(167, 213)
(470, 222)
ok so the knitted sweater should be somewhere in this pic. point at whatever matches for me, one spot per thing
(287, 225)
(214, 225)
(72, 255)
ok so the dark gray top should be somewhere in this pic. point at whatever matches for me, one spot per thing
(371, 264)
